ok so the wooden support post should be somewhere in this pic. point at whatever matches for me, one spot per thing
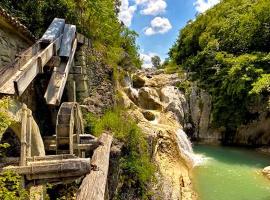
(94, 185)
(29, 132)
(74, 91)
(23, 135)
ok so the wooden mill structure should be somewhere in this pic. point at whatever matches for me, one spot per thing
(56, 49)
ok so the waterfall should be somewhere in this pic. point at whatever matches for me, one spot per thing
(185, 148)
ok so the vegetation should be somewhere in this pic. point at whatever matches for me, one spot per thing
(11, 187)
(226, 51)
(156, 62)
(137, 169)
(95, 19)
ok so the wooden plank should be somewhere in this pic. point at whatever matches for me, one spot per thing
(67, 40)
(55, 166)
(50, 157)
(94, 185)
(9, 73)
(58, 80)
(34, 66)
(49, 176)
(26, 77)
(54, 31)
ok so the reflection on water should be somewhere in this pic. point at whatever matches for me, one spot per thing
(231, 174)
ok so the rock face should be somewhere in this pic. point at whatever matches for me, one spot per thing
(255, 133)
(159, 109)
(266, 172)
(200, 113)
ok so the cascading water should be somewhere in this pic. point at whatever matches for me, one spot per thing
(185, 148)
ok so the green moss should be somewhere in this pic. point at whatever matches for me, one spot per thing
(135, 163)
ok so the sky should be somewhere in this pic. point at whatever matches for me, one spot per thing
(158, 22)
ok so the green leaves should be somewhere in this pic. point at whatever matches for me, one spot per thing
(226, 49)
(137, 169)
(262, 84)
(11, 187)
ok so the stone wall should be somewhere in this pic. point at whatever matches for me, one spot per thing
(93, 80)
(11, 43)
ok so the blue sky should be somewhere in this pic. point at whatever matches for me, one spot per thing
(158, 22)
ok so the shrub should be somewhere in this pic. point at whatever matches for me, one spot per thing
(11, 187)
(135, 161)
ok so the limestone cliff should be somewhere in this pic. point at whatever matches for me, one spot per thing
(254, 133)
(159, 109)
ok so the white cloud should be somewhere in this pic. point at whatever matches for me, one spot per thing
(146, 58)
(152, 7)
(126, 12)
(203, 5)
(159, 25)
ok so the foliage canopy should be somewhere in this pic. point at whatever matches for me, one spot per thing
(227, 50)
(95, 19)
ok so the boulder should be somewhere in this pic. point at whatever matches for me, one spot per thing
(175, 102)
(150, 116)
(148, 98)
(138, 81)
(266, 172)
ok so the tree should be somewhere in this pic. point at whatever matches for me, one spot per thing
(156, 61)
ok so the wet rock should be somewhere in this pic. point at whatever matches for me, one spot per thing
(149, 115)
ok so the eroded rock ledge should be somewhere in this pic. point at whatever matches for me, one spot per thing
(159, 108)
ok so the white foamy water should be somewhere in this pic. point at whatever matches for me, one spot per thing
(186, 150)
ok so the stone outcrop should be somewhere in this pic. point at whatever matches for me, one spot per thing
(266, 172)
(200, 105)
(159, 109)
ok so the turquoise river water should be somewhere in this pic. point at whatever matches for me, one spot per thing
(231, 174)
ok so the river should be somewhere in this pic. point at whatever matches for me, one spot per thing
(231, 174)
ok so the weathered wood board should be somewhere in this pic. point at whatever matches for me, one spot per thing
(54, 31)
(57, 167)
(67, 40)
(34, 66)
(58, 79)
(94, 184)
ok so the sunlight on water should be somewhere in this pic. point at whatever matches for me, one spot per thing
(231, 174)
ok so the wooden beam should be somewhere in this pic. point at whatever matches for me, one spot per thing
(52, 166)
(58, 79)
(50, 157)
(67, 40)
(94, 185)
(29, 132)
(23, 135)
(34, 66)
(54, 31)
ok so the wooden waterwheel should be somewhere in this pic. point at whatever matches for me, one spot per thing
(69, 129)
